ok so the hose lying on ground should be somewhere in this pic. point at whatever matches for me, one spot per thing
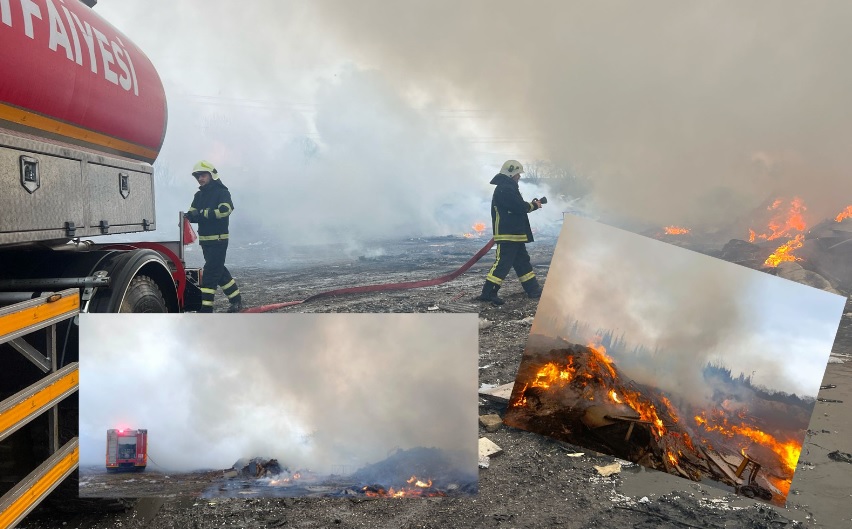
(379, 288)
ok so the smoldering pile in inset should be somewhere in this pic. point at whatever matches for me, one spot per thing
(413, 473)
(675, 360)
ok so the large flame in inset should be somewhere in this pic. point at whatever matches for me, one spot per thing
(787, 451)
(676, 230)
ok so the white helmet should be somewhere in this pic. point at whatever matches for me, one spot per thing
(205, 167)
(511, 168)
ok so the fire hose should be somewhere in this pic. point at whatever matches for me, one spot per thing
(383, 287)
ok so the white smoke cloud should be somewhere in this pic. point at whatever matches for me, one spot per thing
(310, 390)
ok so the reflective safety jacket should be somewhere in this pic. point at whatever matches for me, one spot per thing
(211, 208)
(509, 212)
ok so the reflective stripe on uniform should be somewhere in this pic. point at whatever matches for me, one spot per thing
(221, 215)
(212, 237)
(527, 277)
(494, 279)
(510, 238)
(207, 303)
(229, 284)
(208, 290)
(234, 294)
(496, 222)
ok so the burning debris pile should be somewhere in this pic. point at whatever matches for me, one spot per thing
(406, 471)
(577, 394)
(817, 256)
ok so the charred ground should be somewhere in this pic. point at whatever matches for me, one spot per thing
(535, 482)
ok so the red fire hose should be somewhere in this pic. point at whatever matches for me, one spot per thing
(379, 288)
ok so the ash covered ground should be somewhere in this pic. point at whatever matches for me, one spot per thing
(535, 481)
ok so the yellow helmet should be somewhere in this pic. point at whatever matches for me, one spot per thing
(205, 167)
(511, 168)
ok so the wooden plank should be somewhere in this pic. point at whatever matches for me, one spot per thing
(722, 465)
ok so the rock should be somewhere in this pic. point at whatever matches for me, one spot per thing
(491, 422)
(484, 323)
(484, 461)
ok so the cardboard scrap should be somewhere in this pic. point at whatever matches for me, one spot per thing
(488, 448)
(499, 394)
(608, 470)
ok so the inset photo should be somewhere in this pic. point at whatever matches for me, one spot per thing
(674, 360)
(278, 405)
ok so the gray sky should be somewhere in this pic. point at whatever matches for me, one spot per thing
(688, 113)
(695, 308)
(311, 390)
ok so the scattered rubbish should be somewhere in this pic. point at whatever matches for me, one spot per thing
(842, 457)
(576, 454)
(484, 462)
(433, 307)
(828, 400)
(488, 447)
(608, 470)
(644, 499)
(828, 386)
(491, 422)
(526, 321)
(484, 324)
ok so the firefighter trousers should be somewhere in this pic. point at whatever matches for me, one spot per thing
(511, 255)
(216, 274)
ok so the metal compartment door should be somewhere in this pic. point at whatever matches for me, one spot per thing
(121, 199)
(39, 195)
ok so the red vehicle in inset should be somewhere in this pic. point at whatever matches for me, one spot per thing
(127, 450)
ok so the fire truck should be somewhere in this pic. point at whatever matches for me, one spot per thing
(126, 450)
(82, 118)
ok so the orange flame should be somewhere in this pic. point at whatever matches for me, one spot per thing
(846, 213)
(479, 227)
(781, 225)
(676, 230)
(785, 251)
(788, 452)
(419, 490)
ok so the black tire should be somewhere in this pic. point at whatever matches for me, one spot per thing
(143, 295)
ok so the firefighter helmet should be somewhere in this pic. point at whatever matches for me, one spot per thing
(512, 167)
(205, 167)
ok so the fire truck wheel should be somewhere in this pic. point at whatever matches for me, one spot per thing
(143, 295)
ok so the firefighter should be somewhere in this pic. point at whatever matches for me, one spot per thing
(512, 231)
(211, 208)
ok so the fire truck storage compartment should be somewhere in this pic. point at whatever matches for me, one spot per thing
(51, 190)
(121, 196)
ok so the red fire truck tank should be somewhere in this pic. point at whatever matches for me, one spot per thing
(127, 450)
(111, 98)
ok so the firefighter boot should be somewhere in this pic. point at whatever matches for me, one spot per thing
(236, 304)
(532, 288)
(489, 293)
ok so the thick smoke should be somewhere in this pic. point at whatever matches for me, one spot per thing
(315, 145)
(686, 310)
(686, 113)
(313, 391)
